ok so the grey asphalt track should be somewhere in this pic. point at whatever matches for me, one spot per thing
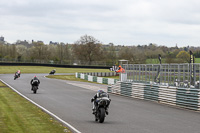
(71, 102)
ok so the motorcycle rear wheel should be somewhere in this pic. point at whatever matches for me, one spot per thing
(35, 89)
(101, 115)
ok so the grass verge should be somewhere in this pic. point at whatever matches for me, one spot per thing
(112, 77)
(73, 78)
(68, 77)
(42, 69)
(18, 115)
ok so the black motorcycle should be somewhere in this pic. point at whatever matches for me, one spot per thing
(16, 76)
(103, 104)
(35, 88)
(52, 72)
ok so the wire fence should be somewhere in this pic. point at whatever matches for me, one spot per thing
(181, 75)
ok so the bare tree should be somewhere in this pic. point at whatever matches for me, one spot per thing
(88, 49)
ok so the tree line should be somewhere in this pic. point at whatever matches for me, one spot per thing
(89, 51)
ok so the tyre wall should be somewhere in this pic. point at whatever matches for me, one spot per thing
(182, 97)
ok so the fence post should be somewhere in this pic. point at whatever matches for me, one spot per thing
(139, 73)
(145, 73)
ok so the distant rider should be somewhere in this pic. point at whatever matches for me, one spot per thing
(18, 73)
(99, 94)
(35, 82)
(53, 71)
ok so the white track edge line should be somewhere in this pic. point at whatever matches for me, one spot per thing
(47, 111)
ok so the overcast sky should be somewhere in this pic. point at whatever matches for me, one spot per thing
(122, 22)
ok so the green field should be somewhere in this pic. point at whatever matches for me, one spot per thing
(152, 61)
(197, 60)
(155, 61)
(41, 69)
(67, 77)
(18, 115)
(112, 77)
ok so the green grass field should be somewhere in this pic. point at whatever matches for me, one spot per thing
(152, 61)
(112, 77)
(67, 77)
(197, 60)
(41, 69)
(155, 61)
(18, 115)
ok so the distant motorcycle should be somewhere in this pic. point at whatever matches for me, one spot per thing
(100, 114)
(52, 72)
(35, 88)
(16, 76)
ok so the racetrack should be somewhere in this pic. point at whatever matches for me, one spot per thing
(71, 102)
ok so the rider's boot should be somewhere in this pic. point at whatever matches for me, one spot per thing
(93, 111)
(107, 111)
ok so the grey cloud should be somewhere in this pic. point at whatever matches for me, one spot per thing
(118, 21)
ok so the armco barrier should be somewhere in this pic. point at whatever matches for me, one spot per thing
(182, 97)
(95, 78)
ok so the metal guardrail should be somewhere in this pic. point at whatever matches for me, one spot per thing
(172, 84)
(179, 75)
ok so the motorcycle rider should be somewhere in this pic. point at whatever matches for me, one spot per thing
(18, 73)
(99, 94)
(53, 71)
(35, 82)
